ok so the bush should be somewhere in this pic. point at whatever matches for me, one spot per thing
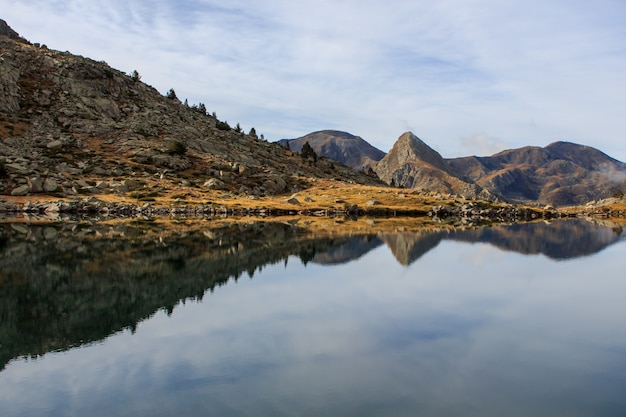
(171, 94)
(176, 147)
(222, 125)
(135, 76)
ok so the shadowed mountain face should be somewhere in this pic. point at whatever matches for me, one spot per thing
(342, 147)
(562, 173)
(86, 282)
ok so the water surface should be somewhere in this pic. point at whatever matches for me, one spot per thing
(265, 320)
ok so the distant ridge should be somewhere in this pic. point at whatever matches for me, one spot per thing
(339, 146)
(562, 173)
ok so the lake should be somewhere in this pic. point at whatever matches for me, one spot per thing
(264, 319)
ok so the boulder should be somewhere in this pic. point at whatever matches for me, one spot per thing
(21, 190)
(50, 185)
(54, 145)
(36, 185)
(214, 184)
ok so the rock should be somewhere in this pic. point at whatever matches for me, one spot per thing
(54, 145)
(292, 200)
(21, 190)
(50, 185)
(309, 199)
(132, 184)
(214, 184)
(373, 203)
(17, 169)
(275, 185)
(100, 171)
(36, 185)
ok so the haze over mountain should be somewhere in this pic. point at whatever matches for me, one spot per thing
(342, 147)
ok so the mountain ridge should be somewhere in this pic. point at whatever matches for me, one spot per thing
(72, 126)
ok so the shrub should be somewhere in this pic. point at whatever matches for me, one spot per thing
(171, 94)
(222, 125)
(135, 76)
(176, 147)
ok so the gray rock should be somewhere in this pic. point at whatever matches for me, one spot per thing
(17, 169)
(36, 185)
(55, 145)
(132, 184)
(21, 190)
(50, 185)
(214, 184)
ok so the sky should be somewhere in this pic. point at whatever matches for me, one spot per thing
(469, 77)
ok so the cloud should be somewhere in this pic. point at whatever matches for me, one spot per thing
(483, 143)
(446, 68)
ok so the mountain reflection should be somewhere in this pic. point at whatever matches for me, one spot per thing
(66, 285)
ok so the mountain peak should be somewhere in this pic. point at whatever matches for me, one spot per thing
(409, 147)
(339, 146)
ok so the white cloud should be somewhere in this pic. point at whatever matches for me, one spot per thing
(528, 73)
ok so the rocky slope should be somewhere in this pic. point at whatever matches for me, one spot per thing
(562, 173)
(71, 125)
(413, 164)
(343, 147)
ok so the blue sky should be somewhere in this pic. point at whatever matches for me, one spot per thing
(469, 77)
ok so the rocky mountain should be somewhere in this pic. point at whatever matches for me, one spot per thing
(343, 147)
(71, 125)
(411, 163)
(562, 173)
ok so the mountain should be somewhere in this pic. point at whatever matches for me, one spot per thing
(343, 147)
(71, 125)
(562, 173)
(411, 163)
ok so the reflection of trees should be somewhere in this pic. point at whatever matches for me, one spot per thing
(75, 288)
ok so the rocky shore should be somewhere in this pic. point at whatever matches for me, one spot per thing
(96, 208)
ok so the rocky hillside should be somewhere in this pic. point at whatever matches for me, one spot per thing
(343, 147)
(413, 164)
(562, 173)
(71, 125)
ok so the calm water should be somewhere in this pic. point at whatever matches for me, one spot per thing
(525, 320)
